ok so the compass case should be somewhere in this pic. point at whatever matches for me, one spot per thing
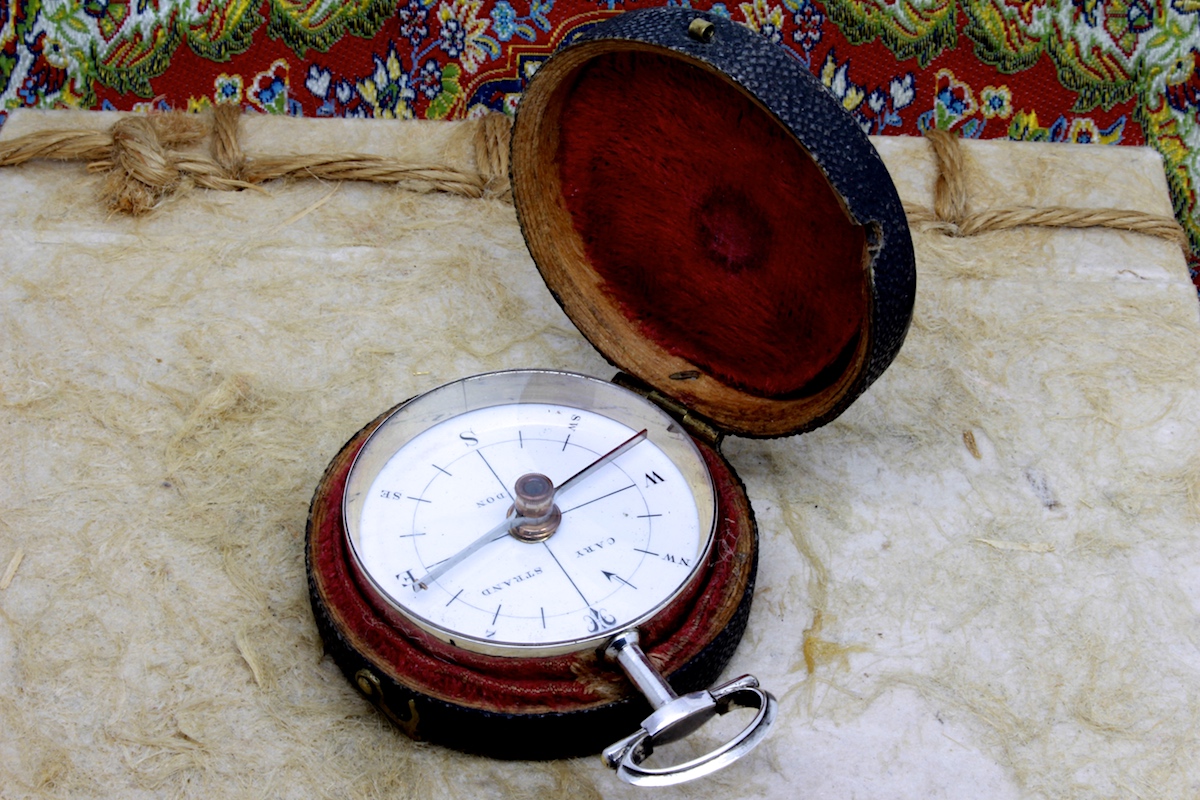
(723, 232)
(529, 708)
(714, 222)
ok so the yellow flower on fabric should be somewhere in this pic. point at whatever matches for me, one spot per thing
(388, 89)
(464, 34)
(996, 102)
(836, 79)
(1024, 127)
(854, 96)
(1083, 131)
(764, 19)
(228, 89)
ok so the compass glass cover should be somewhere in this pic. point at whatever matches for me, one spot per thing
(440, 473)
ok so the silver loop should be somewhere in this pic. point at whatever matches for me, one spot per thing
(627, 755)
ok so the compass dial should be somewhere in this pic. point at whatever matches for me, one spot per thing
(436, 477)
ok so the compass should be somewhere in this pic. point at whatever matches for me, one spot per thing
(537, 564)
(528, 515)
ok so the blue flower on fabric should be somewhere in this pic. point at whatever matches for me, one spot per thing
(952, 100)
(504, 20)
(429, 80)
(808, 19)
(719, 10)
(454, 37)
(413, 26)
(539, 11)
(228, 88)
(268, 93)
(996, 101)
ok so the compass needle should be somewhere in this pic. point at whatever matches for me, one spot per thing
(473, 480)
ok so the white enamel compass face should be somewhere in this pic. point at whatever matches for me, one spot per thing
(432, 502)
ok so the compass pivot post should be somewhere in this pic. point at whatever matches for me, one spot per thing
(534, 499)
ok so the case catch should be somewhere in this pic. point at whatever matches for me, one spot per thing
(697, 426)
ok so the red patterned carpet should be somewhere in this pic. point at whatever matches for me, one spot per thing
(1084, 71)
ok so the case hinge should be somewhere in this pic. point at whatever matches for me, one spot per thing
(698, 427)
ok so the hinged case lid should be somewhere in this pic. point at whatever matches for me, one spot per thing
(712, 219)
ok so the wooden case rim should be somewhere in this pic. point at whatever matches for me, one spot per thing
(560, 256)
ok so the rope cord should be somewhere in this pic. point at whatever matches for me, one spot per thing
(144, 164)
(951, 216)
(144, 160)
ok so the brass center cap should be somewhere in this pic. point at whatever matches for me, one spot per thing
(534, 499)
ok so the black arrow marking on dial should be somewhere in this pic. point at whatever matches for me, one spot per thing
(611, 575)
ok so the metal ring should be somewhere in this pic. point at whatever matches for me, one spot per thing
(628, 754)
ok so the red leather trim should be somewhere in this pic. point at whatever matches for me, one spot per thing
(522, 685)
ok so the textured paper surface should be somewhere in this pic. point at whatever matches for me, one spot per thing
(983, 580)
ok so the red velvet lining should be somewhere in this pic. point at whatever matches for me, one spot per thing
(710, 226)
(513, 685)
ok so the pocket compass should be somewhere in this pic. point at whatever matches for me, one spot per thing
(531, 516)
(538, 564)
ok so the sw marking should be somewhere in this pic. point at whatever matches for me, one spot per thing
(502, 585)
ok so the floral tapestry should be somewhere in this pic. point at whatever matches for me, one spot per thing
(1083, 71)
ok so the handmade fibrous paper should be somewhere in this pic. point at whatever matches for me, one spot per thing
(983, 580)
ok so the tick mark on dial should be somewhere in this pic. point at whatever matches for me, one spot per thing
(452, 599)
(421, 499)
(565, 441)
(564, 572)
(408, 535)
(647, 552)
(439, 469)
(648, 516)
(494, 475)
(497, 614)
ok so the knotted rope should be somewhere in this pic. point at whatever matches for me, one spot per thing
(950, 212)
(148, 158)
